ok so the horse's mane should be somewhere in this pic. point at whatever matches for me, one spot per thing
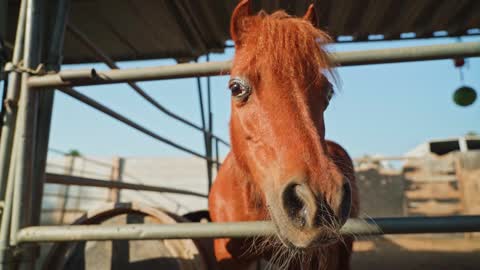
(289, 46)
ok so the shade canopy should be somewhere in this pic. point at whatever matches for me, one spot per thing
(186, 29)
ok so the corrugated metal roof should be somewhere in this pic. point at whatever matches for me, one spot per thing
(185, 29)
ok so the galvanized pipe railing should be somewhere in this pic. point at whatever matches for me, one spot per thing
(24, 137)
(53, 178)
(13, 93)
(355, 227)
(7, 153)
(407, 54)
(365, 57)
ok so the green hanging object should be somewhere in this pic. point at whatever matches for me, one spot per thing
(464, 96)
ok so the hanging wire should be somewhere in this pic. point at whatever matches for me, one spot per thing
(460, 69)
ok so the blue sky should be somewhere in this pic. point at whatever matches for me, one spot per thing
(380, 109)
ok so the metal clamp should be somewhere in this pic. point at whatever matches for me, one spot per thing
(20, 68)
(10, 104)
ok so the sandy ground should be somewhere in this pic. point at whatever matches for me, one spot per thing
(423, 252)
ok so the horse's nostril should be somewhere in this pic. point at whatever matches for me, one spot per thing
(294, 205)
(299, 204)
(346, 202)
(304, 209)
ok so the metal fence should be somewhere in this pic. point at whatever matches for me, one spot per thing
(355, 227)
(25, 133)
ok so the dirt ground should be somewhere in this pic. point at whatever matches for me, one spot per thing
(409, 252)
(422, 252)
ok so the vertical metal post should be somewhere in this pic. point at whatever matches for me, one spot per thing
(24, 133)
(54, 53)
(31, 135)
(210, 151)
(3, 75)
(200, 100)
(116, 175)
(70, 166)
(25, 127)
(6, 141)
(217, 158)
(210, 130)
(13, 93)
(206, 135)
(6, 255)
(209, 99)
(3, 17)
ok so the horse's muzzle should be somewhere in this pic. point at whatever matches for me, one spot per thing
(310, 216)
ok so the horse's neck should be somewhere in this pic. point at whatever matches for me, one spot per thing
(237, 187)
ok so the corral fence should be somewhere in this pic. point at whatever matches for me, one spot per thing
(75, 184)
(34, 75)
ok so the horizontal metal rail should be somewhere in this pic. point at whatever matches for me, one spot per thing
(83, 172)
(53, 178)
(365, 57)
(407, 54)
(97, 162)
(387, 158)
(356, 227)
(92, 103)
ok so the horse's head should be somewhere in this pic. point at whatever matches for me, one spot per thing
(279, 95)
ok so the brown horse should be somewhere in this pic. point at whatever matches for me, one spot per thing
(280, 167)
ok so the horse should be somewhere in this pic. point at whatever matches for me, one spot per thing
(281, 167)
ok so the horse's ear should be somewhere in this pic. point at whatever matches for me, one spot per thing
(310, 15)
(237, 22)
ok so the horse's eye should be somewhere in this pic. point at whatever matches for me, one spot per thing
(330, 94)
(240, 89)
